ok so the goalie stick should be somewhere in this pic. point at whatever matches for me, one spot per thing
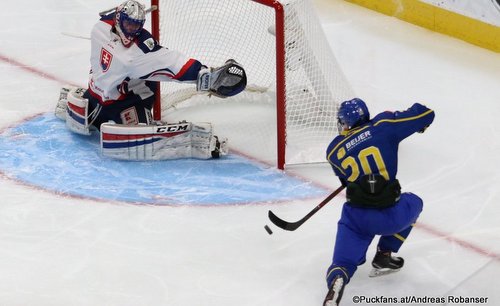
(291, 226)
(105, 12)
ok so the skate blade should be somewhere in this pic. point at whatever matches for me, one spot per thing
(381, 272)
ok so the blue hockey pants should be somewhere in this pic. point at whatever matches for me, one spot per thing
(358, 226)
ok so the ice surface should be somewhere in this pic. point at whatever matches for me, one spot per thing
(62, 250)
(42, 152)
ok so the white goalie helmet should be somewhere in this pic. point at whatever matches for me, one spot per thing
(129, 20)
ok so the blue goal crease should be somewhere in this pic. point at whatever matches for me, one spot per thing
(43, 153)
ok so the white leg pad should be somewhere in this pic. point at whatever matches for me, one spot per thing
(77, 118)
(157, 142)
(62, 103)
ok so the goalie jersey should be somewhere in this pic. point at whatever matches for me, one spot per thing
(117, 70)
(372, 148)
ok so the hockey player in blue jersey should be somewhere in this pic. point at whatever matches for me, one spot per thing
(365, 158)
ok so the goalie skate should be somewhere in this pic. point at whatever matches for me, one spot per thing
(384, 264)
(221, 147)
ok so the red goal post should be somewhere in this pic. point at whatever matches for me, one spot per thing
(308, 82)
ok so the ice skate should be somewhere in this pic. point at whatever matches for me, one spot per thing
(221, 147)
(334, 295)
(383, 263)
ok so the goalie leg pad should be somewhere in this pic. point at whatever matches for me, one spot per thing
(158, 142)
(62, 103)
(77, 112)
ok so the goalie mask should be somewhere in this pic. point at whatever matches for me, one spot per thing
(351, 114)
(129, 20)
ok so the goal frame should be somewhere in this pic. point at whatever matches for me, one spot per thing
(280, 73)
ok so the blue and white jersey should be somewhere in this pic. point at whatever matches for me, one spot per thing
(372, 148)
(116, 70)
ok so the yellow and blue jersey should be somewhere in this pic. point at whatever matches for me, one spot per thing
(372, 148)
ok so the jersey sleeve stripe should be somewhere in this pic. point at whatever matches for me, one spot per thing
(404, 119)
(189, 71)
(165, 71)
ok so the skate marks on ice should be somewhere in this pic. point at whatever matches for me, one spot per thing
(41, 152)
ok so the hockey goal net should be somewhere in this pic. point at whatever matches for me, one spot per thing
(287, 114)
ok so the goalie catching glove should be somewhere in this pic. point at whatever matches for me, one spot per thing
(224, 81)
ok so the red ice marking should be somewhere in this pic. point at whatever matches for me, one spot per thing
(426, 228)
(460, 242)
(33, 70)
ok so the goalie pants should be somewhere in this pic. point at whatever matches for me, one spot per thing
(131, 110)
(358, 226)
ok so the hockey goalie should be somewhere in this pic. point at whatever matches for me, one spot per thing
(126, 64)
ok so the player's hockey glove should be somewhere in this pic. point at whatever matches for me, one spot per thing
(225, 81)
(423, 130)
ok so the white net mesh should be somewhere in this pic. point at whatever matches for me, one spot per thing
(213, 31)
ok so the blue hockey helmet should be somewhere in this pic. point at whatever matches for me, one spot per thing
(129, 21)
(352, 113)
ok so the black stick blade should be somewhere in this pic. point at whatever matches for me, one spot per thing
(291, 226)
(288, 226)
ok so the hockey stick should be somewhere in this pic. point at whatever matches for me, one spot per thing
(291, 226)
(75, 35)
(152, 8)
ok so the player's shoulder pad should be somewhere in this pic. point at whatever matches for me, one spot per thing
(109, 19)
(416, 111)
(147, 43)
(383, 116)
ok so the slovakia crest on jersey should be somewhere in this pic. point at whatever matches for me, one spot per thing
(106, 58)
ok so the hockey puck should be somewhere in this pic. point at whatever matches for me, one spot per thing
(268, 229)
